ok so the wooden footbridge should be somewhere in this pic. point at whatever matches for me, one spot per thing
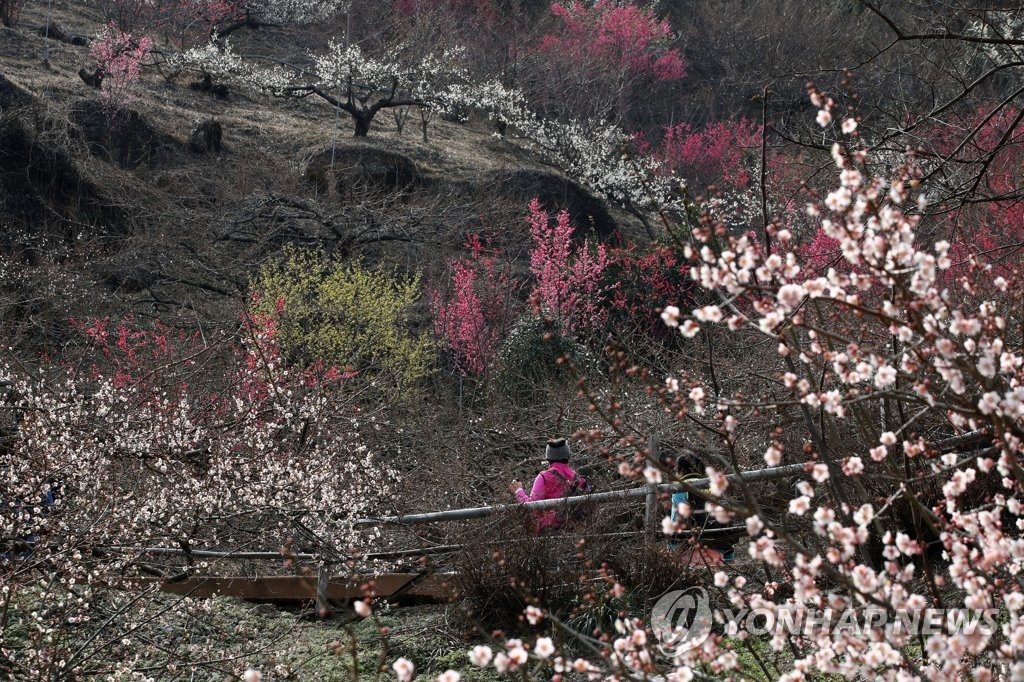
(323, 588)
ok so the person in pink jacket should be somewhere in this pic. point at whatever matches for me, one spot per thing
(552, 483)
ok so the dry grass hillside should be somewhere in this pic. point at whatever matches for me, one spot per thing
(130, 217)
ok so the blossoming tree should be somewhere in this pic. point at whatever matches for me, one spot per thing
(347, 77)
(161, 438)
(119, 58)
(606, 54)
(905, 382)
(473, 316)
(567, 276)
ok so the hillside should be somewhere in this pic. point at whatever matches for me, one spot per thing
(132, 218)
(278, 277)
(124, 218)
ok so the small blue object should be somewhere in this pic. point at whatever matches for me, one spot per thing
(29, 541)
(678, 499)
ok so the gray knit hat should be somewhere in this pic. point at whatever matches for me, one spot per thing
(557, 451)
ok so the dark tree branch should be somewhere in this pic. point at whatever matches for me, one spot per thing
(944, 35)
(764, 168)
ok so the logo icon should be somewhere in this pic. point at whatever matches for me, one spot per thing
(681, 620)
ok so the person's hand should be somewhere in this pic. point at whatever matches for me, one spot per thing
(514, 486)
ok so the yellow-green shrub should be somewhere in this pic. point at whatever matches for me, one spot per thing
(345, 313)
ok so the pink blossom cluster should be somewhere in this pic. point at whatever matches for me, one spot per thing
(713, 154)
(567, 276)
(621, 36)
(119, 56)
(473, 317)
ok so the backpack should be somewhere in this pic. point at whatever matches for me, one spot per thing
(570, 515)
(700, 521)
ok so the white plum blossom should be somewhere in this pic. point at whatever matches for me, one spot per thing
(838, 200)
(854, 466)
(717, 481)
(670, 315)
(790, 296)
(710, 313)
(689, 329)
(885, 376)
(517, 656)
(543, 647)
(989, 403)
(851, 179)
(799, 505)
(480, 655)
(864, 515)
(403, 668)
(501, 662)
(820, 472)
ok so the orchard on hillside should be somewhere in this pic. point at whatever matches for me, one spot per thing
(826, 283)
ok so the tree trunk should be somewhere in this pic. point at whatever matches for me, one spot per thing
(362, 124)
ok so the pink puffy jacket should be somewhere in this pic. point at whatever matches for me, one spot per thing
(548, 486)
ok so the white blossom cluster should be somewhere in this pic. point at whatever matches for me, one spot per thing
(216, 59)
(227, 453)
(158, 466)
(597, 154)
(297, 11)
(594, 153)
(947, 352)
(346, 73)
(423, 77)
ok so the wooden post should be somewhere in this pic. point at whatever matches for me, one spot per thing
(651, 501)
(323, 607)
